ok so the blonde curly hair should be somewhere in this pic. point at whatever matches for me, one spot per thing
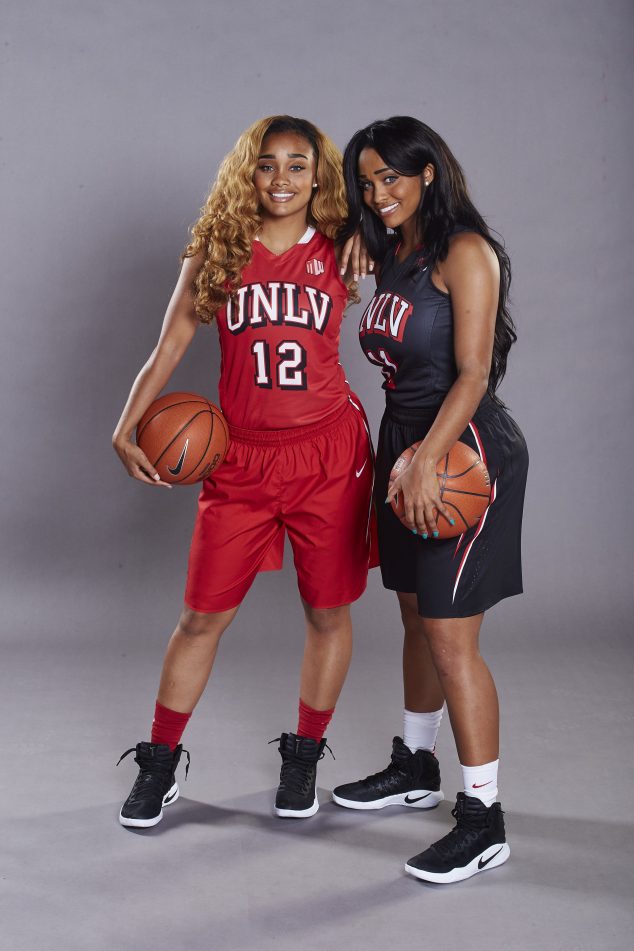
(230, 217)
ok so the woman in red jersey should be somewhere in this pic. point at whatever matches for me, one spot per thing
(261, 263)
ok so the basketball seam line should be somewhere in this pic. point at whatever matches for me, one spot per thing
(169, 406)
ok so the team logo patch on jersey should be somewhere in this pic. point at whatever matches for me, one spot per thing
(315, 266)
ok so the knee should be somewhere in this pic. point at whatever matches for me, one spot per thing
(451, 654)
(196, 625)
(327, 620)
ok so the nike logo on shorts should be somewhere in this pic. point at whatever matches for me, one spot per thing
(361, 469)
(179, 464)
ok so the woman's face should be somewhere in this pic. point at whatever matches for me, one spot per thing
(284, 175)
(394, 198)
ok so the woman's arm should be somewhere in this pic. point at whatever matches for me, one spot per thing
(179, 327)
(471, 275)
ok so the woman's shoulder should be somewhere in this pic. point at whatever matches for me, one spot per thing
(467, 247)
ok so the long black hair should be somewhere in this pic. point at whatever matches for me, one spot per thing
(408, 145)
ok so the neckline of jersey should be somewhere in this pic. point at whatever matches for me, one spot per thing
(305, 239)
(415, 250)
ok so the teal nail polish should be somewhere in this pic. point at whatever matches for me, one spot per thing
(386, 501)
(436, 534)
(414, 532)
(424, 534)
(452, 521)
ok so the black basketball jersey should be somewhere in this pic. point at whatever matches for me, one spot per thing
(407, 330)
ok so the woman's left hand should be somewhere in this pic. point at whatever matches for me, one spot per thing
(421, 496)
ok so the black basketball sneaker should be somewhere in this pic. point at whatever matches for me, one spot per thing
(154, 787)
(477, 842)
(410, 779)
(296, 796)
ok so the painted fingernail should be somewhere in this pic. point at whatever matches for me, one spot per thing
(436, 534)
(370, 267)
(342, 270)
(387, 500)
(452, 521)
(414, 532)
(156, 477)
(424, 534)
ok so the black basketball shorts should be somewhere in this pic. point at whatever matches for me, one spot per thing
(457, 577)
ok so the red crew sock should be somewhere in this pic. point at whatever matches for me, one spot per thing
(168, 725)
(313, 723)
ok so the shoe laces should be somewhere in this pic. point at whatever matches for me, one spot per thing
(150, 767)
(385, 776)
(296, 773)
(463, 833)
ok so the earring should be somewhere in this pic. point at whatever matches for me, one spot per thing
(315, 185)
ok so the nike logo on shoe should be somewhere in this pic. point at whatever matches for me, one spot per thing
(418, 798)
(361, 469)
(168, 799)
(179, 464)
(482, 864)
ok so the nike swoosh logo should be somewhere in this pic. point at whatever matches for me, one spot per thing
(482, 864)
(475, 785)
(361, 469)
(418, 799)
(179, 464)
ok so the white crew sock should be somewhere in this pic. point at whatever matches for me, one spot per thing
(481, 782)
(420, 730)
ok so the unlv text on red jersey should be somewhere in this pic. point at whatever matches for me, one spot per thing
(279, 303)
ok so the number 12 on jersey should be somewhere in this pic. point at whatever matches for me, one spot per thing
(290, 367)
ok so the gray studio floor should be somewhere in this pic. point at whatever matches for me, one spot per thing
(222, 872)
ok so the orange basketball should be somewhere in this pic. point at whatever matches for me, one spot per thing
(184, 436)
(465, 488)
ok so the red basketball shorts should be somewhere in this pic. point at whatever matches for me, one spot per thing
(314, 483)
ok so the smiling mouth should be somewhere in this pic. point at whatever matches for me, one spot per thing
(281, 196)
(387, 209)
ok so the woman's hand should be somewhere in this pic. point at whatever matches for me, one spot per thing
(354, 254)
(421, 496)
(137, 463)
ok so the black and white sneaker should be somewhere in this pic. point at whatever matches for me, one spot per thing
(477, 842)
(154, 787)
(410, 779)
(296, 796)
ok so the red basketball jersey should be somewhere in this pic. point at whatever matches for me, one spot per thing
(279, 338)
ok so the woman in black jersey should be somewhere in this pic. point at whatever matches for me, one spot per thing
(439, 329)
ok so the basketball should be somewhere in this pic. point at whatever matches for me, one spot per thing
(465, 488)
(184, 436)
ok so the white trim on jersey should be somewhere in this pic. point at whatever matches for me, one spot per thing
(305, 238)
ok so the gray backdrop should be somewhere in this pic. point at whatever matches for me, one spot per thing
(114, 120)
